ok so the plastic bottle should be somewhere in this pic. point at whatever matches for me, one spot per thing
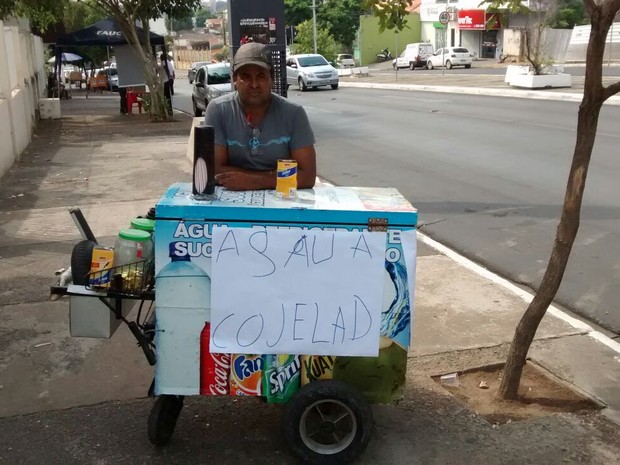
(131, 246)
(183, 305)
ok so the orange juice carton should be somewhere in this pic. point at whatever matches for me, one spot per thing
(246, 373)
(100, 265)
(286, 182)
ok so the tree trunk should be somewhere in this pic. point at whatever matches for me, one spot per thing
(587, 123)
(157, 108)
(126, 19)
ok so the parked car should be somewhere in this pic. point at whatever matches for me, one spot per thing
(112, 79)
(105, 79)
(414, 56)
(345, 60)
(310, 70)
(211, 81)
(193, 69)
(449, 57)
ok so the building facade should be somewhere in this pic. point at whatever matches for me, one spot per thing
(470, 25)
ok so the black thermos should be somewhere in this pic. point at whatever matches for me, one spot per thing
(204, 161)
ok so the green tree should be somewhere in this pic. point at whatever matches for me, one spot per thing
(42, 13)
(341, 18)
(601, 14)
(129, 13)
(78, 15)
(325, 43)
(202, 15)
(391, 13)
(568, 14)
(180, 24)
(297, 11)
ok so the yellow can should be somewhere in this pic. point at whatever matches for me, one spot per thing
(286, 184)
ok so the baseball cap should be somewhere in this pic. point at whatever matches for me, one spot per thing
(252, 54)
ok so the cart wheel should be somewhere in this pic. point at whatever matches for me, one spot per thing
(81, 256)
(327, 422)
(163, 418)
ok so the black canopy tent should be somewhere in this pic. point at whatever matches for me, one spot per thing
(106, 32)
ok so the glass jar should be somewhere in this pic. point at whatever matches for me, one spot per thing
(143, 224)
(131, 246)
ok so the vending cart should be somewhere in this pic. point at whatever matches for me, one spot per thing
(306, 302)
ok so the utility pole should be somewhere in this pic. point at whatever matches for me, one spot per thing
(314, 23)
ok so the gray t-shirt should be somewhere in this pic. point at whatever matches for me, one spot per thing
(284, 127)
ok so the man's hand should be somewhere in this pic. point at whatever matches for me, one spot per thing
(240, 181)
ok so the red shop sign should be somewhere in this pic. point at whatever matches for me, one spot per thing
(472, 19)
(478, 20)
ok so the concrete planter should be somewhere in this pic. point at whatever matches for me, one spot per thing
(541, 81)
(523, 76)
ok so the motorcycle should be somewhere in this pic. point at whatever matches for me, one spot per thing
(384, 55)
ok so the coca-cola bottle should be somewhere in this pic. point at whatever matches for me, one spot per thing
(214, 368)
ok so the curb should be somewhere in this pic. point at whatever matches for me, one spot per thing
(531, 94)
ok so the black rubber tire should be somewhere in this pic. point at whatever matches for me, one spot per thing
(411, 65)
(429, 65)
(81, 257)
(394, 66)
(338, 399)
(467, 66)
(197, 111)
(163, 419)
(334, 86)
(302, 85)
(448, 64)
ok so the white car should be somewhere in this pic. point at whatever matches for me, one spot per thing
(345, 60)
(310, 70)
(414, 56)
(211, 81)
(449, 57)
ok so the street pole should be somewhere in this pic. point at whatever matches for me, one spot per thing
(314, 23)
(443, 49)
(396, 58)
(611, 41)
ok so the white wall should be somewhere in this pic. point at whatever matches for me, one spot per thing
(22, 83)
(471, 41)
(579, 43)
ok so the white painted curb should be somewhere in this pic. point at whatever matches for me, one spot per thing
(523, 294)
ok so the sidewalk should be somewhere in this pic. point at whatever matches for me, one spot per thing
(67, 400)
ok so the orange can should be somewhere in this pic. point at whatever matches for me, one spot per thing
(286, 184)
(246, 374)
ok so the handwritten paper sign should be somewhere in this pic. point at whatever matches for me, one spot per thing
(294, 291)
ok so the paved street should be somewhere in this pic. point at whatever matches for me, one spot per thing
(488, 173)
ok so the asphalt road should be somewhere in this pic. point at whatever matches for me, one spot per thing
(487, 174)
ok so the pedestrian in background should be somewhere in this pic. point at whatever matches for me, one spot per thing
(169, 82)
